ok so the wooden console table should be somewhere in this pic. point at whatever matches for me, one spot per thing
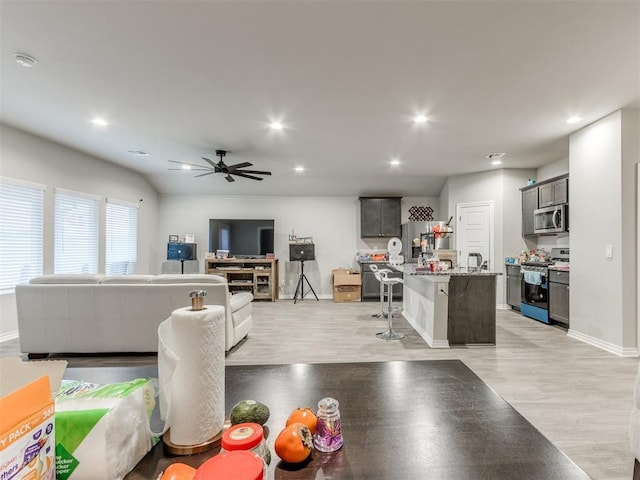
(256, 275)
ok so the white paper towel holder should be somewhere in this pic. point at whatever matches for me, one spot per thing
(197, 304)
(205, 446)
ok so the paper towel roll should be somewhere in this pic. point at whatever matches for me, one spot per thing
(191, 373)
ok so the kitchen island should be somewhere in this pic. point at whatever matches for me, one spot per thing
(453, 307)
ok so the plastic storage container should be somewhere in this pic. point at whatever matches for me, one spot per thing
(234, 465)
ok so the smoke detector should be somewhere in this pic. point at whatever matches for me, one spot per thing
(24, 60)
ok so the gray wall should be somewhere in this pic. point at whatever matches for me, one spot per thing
(502, 188)
(603, 158)
(27, 157)
(332, 222)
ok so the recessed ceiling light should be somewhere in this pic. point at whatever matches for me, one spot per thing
(186, 167)
(101, 122)
(420, 118)
(276, 126)
(138, 153)
(299, 169)
(395, 162)
(24, 60)
(573, 119)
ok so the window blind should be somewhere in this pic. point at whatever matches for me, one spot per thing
(21, 232)
(76, 233)
(121, 238)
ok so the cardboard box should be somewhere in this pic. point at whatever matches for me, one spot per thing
(27, 435)
(347, 286)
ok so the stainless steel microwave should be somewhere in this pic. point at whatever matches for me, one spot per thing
(551, 219)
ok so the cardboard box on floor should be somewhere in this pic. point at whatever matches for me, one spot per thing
(27, 425)
(347, 285)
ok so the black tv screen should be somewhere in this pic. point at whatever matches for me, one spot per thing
(242, 238)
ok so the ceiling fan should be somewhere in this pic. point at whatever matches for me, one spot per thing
(221, 167)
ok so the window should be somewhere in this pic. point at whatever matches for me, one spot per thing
(21, 232)
(121, 237)
(76, 232)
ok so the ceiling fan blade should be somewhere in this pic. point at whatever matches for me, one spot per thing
(259, 172)
(211, 162)
(239, 165)
(203, 174)
(240, 174)
(230, 178)
(185, 163)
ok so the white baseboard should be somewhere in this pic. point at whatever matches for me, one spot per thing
(607, 346)
(503, 306)
(307, 295)
(5, 337)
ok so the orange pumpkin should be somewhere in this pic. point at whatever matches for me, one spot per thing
(304, 415)
(294, 443)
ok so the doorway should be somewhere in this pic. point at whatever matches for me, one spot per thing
(475, 232)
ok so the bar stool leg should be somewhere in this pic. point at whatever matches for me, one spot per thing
(381, 314)
(390, 334)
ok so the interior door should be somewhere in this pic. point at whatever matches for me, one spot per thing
(475, 232)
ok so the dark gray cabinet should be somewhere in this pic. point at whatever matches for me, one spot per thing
(371, 286)
(559, 296)
(553, 193)
(529, 204)
(380, 216)
(514, 285)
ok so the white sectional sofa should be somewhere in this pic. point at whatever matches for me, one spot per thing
(99, 313)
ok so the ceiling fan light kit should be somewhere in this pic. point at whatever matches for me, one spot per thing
(229, 171)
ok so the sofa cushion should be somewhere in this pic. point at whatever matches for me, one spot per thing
(70, 278)
(126, 279)
(188, 278)
(239, 300)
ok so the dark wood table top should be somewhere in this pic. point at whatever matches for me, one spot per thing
(401, 420)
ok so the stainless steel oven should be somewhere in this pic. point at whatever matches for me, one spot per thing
(535, 290)
(534, 285)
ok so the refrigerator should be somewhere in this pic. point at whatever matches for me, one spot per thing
(411, 239)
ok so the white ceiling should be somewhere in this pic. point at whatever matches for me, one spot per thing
(180, 79)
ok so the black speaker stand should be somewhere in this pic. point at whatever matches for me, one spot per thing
(300, 287)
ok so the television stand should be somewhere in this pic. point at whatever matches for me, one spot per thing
(257, 275)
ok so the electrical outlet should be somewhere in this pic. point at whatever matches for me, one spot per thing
(608, 251)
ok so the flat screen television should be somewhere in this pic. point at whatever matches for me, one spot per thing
(242, 238)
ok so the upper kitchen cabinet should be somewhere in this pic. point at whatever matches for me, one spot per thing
(529, 204)
(380, 216)
(555, 192)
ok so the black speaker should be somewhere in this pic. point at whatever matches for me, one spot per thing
(182, 251)
(302, 251)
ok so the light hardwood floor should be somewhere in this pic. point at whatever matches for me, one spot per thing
(578, 396)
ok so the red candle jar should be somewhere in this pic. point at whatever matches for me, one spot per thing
(245, 436)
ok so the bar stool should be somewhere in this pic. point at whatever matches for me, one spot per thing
(389, 334)
(377, 272)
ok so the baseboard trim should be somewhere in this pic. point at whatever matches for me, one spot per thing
(307, 295)
(603, 345)
(5, 337)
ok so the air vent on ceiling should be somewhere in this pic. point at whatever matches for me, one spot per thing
(495, 156)
(138, 153)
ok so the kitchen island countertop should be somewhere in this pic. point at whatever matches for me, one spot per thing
(412, 269)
